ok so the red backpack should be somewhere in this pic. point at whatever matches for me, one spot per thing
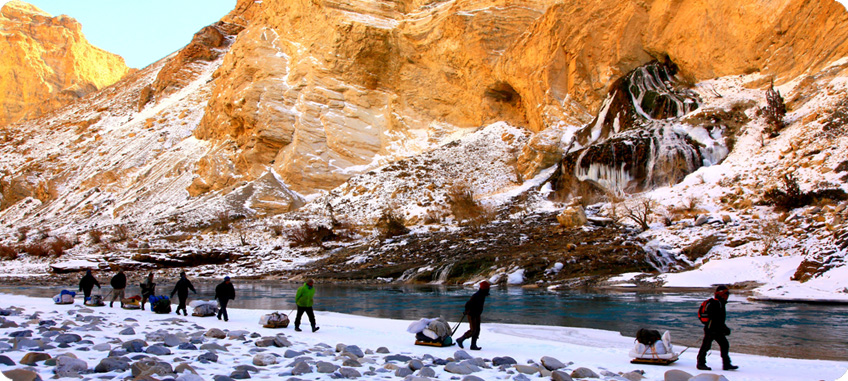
(703, 313)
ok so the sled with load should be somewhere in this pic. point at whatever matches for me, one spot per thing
(274, 320)
(653, 348)
(131, 303)
(160, 304)
(64, 297)
(431, 332)
(94, 301)
(203, 308)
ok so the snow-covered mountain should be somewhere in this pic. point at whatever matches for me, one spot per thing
(294, 136)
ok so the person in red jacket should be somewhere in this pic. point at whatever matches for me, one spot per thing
(716, 330)
(474, 311)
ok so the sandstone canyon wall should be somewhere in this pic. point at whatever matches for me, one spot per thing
(46, 63)
(315, 89)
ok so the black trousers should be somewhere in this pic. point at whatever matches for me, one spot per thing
(473, 329)
(707, 344)
(223, 310)
(87, 292)
(309, 313)
(182, 305)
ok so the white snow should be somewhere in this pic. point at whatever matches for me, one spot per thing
(596, 349)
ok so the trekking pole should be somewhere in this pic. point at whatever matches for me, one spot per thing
(457, 325)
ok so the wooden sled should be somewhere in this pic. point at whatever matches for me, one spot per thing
(432, 343)
(653, 361)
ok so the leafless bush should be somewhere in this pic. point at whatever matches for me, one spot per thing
(36, 249)
(56, 246)
(8, 252)
(640, 211)
(770, 233)
(121, 233)
(223, 220)
(242, 236)
(464, 207)
(22, 233)
(96, 236)
(774, 112)
(308, 234)
(278, 230)
(391, 224)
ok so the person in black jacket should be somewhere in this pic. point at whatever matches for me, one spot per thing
(474, 310)
(716, 330)
(119, 284)
(224, 293)
(148, 289)
(181, 289)
(87, 283)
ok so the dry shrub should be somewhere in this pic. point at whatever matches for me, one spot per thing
(222, 220)
(640, 211)
(774, 112)
(308, 234)
(689, 209)
(96, 236)
(22, 233)
(121, 233)
(38, 250)
(8, 253)
(57, 246)
(391, 224)
(770, 233)
(278, 230)
(791, 196)
(465, 208)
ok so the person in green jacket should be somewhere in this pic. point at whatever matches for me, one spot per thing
(303, 299)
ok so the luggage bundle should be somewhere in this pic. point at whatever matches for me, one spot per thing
(204, 308)
(431, 332)
(95, 301)
(274, 320)
(131, 303)
(160, 304)
(653, 348)
(64, 297)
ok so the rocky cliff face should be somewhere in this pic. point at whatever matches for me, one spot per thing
(46, 63)
(313, 90)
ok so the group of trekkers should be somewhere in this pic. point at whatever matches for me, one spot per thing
(224, 292)
(713, 312)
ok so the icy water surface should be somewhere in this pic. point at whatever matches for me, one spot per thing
(793, 330)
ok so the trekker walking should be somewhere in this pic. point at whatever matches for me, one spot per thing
(474, 310)
(87, 283)
(148, 289)
(181, 289)
(303, 300)
(119, 285)
(224, 293)
(716, 330)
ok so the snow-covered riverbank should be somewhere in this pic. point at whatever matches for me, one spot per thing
(105, 331)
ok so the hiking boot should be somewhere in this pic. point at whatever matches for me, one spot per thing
(315, 329)
(110, 304)
(703, 367)
(297, 329)
(475, 348)
(185, 313)
(459, 342)
(729, 366)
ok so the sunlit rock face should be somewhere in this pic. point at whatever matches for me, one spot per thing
(638, 140)
(46, 63)
(317, 90)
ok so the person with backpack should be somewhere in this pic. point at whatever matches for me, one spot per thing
(303, 300)
(224, 292)
(181, 289)
(712, 314)
(148, 289)
(474, 312)
(119, 284)
(87, 283)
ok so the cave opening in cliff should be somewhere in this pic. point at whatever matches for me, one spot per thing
(502, 92)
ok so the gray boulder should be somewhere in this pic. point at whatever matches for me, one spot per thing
(708, 377)
(237, 335)
(69, 367)
(127, 331)
(215, 333)
(398, 358)
(415, 364)
(527, 369)
(112, 364)
(403, 372)
(265, 342)
(264, 359)
(213, 347)
(506, 360)
(427, 372)
(173, 340)
(134, 346)
(208, 357)
(551, 363)
(559, 375)
(351, 363)
(676, 375)
(461, 368)
(240, 374)
(22, 375)
(350, 373)
(584, 373)
(473, 378)
(147, 367)
(158, 350)
(5, 360)
(292, 353)
(301, 368)
(325, 367)
(354, 350)
(187, 347)
(281, 341)
(462, 355)
(102, 347)
(383, 350)
(221, 378)
(67, 338)
(633, 376)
